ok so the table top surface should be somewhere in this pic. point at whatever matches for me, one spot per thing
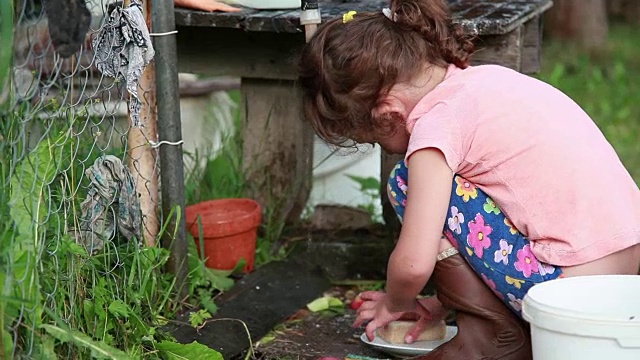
(478, 17)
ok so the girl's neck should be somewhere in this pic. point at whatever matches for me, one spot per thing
(424, 83)
(405, 95)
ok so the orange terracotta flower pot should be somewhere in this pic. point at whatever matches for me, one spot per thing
(229, 231)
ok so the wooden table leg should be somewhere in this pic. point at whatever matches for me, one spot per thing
(531, 46)
(505, 50)
(277, 148)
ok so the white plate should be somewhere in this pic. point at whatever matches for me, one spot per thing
(417, 348)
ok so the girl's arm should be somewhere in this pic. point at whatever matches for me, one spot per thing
(414, 257)
(205, 5)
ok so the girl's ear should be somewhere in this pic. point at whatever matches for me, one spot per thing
(390, 105)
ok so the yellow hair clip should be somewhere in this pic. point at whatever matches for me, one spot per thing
(348, 16)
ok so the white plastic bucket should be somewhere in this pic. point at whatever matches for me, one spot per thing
(588, 317)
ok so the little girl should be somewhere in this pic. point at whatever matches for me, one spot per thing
(516, 175)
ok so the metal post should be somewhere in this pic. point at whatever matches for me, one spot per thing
(170, 131)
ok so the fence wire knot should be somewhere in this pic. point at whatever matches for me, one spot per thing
(155, 145)
(164, 33)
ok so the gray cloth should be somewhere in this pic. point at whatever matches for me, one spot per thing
(68, 22)
(112, 199)
(123, 48)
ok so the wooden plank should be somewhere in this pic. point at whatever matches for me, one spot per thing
(505, 50)
(207, 86)
(489, 17)
(260, 301)
(531, 46)
(279, 21)
(142, 157)
(271, 56)
(188, 17)
(234, 52)
(277, 147)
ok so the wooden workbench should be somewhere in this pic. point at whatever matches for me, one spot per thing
(260, 47)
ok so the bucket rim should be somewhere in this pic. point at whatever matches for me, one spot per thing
(576, 315)
(256, 208)
(564, 312)
(253, 217)
(626, 334)
(571, 322)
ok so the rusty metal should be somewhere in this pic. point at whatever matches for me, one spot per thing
(170, 130)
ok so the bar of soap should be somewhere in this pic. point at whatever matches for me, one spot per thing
(396, 330)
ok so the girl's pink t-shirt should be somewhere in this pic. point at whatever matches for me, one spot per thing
(538, 155)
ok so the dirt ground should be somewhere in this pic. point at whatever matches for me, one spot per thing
(308, 335)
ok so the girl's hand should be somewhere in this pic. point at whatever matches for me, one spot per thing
(374, 309)
(436, 313)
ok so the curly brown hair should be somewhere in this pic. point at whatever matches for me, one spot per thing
(346, 68)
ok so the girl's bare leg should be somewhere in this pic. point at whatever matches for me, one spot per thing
(624, 262)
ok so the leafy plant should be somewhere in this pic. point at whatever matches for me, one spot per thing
(197, 318)
(205, 283)
(28, 198)
(192, 351)
(370, 189)
(98, 350)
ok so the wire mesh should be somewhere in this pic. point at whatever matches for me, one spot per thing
(67, 270)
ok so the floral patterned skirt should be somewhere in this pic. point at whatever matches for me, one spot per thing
(494, 248)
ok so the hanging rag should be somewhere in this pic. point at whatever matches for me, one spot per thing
(112, 199)
(123, 49)
(68, 22)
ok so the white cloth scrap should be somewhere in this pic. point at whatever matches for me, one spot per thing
(123, 49)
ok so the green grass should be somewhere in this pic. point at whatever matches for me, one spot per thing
(605, 83)
(221, 176)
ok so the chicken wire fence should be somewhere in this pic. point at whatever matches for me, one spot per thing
(78, 179)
